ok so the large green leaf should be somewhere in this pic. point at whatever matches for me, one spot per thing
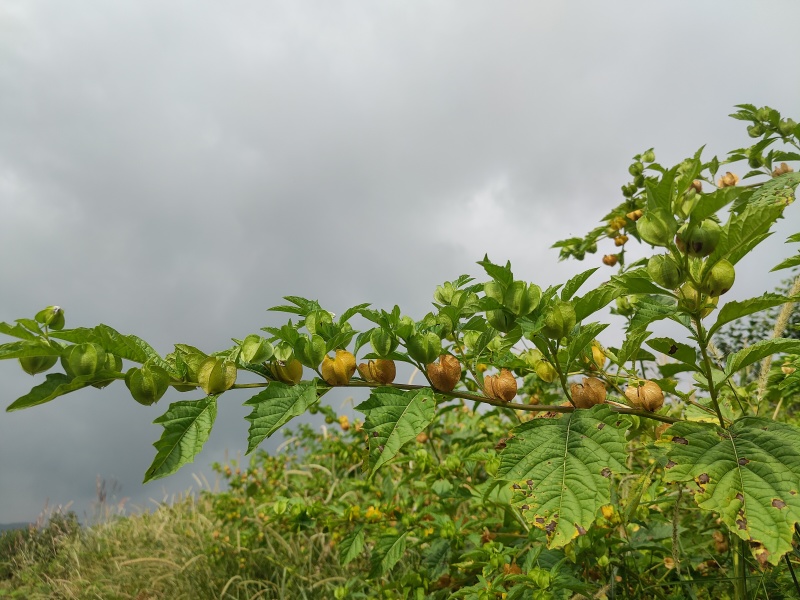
(584, 337)
(681, 352)
(561, 469)
(631, 346)
(17, 331)
(748, 474)
(758, 351)
(187, 425)
(652, 308)
(574, 284)
(394, 418)
(351, 545)
(388, 550)
(27, 348)
(276, 406)
(736, 310)
(593, 301)
(636, 281)
(58, 384)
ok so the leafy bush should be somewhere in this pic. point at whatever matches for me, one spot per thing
(643, 475)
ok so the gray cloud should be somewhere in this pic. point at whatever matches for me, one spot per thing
(174, 169)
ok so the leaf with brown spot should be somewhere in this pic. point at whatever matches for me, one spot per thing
(744, 473)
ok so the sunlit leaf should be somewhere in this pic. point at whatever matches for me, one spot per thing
(276, 406)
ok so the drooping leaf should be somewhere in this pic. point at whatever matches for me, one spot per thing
(58, 384)
(792, 261)
(187, 425)
(351, 545)
(276, 406)
(388, 550)
(631, 346)
(736, 310)
(574, 284)
(748, 474)
(758, 351)
(579, 342)
(561, 469)
(711, 203)
(17, 331)
(593, 301)
(394, 418)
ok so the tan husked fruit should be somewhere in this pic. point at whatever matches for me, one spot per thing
(500, 387)
(381, 370)
(445, 374)
(585, 395)
(338, 370)
(647, 395)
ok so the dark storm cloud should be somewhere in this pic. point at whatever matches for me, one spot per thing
(173, 169)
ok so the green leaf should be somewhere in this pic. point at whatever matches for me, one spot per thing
(574, 284)
(710, 203)
(562, 469)
(58, 384)
(659, 194)
(351, 545)
(631, 346)
(595, 300)
(276, 406)
(758, 351)
(681, 352)
(26, 348)
(17, 331)
(187, 425)
(636, 281)
(652, 308)
(388, 550)
(736, 310)
(748, 474)
(790, 262)
(500, 274)
(437, 559)
(394, 418)
(578, 343)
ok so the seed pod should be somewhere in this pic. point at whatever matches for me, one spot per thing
(598, 356)
(719, 279)
(635, 215)
(289, 373)
(585, 395)
(610, 260)
(444, 293)
(546, 371)
(786, 127)
(699, 240)
(665, 271)
(424, 347)
(255, 350)
(697, 186)
(381, 371)
(113, 363)
(310, 350)
(521, 298)
(445, 374)
(493, 290)
(647, 395)
(755, 130)
(405, 329)
(782, 169)
(617, 223)
(37, 364)
(559, 320)
(728, 180)
(216, 375)
(657, 227)
(382, 341)
(52, 317)
(620, 240)
(636, 169)
(317, 319)
(501, 319)
(649, 156)
(624, 306)
(500, 387)
(148, 384)
(83, 359)
(338, 370)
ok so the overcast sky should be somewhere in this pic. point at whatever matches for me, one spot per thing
(173, 168)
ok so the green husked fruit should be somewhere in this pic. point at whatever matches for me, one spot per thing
(255, 350)
(52, 317)
(37, 364)
(719, 279)
(663, 269)
(310, 350)
(405, 328)
(216, 375)
(83, 359)
(382, 342)
(317, 319)
(424, 347)
(113, 363)
(521, 298)
(148, 384)
(501, 319)
(656, 227)
(289, 373)
(699, 240)
(694, 302)
(559, 321)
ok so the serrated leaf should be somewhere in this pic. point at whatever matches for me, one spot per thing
(578, 343)
(631, 346)
(350, 312)
(437, 558)
(17, 331)
(58, 384)
(709, 204)
(275, 406)
(636, 281)
(502, 274)
(734, 310)
(794, 238)
(388, 550)
(593, 301)
(27, 348)
(681, 352)
(650, 309)
(748, 474)
(563, 468)
(758, 351)
(187, 425)
(394, 418)
(574, 284)
(351, 545)
(792, 261)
